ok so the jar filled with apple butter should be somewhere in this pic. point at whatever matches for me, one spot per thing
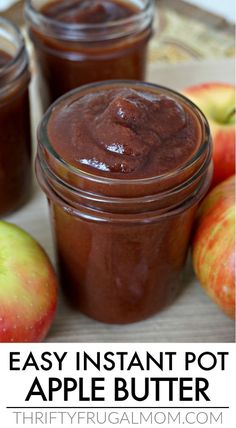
(124, 165)
(82, 41)
(15, 134)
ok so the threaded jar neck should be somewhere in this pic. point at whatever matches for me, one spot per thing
(79, 32)
(12, 43)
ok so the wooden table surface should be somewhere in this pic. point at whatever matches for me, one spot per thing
(192, 317)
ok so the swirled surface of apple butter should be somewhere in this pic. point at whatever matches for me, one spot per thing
(124, 133)
(87, 11)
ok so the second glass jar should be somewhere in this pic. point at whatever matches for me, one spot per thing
(72, 50)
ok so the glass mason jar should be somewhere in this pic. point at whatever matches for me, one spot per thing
(15, 134)
(122, 243)
(73, 54)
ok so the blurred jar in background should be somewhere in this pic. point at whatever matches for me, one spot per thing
(15, 134)
(82, 41)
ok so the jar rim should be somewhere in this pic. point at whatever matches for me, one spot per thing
(80, 31)
(17, 58)
(43, 136)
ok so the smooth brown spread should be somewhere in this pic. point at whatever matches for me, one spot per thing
(87, 11)
(124, 133)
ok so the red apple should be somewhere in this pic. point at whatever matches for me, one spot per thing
(213, 249)
(217, 101)
(28, 287)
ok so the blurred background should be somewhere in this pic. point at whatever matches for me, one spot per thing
(184, 30)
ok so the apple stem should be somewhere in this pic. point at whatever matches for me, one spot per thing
(230, 114)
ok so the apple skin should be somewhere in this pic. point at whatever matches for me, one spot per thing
(213, 247)
(28, 287)
(217, 100)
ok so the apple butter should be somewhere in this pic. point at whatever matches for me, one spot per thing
(15, 138)
(124, 165)
(82, 41)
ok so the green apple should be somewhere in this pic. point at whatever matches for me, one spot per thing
(28, 287)
(217, 101)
